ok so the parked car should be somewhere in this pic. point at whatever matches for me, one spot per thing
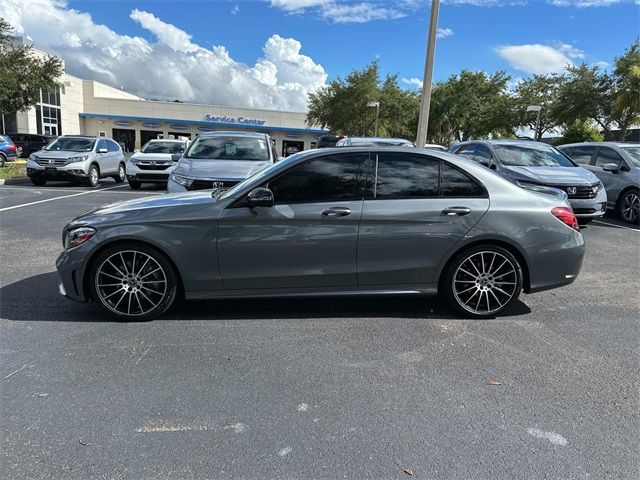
(8, 150)
(153, 162)
(30, 142)
(617, 165)
(78, 159)
(327, 141)
(534, 164)
(220, 160)
(374, 142)
(317, 223)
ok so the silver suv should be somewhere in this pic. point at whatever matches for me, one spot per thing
(617, 165)
(154, 161)
(78, 159)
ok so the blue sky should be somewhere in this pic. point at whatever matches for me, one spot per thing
(260, 40)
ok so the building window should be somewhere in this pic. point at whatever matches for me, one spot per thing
(48, 113)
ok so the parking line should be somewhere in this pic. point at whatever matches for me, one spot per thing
(615, 225)
(45, 190)
(57, 198)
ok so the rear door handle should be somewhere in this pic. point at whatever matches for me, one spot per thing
(456, 211)
(336, 212)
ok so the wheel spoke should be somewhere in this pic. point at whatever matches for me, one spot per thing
(153, 271)
(117, 269)
(471, 297)
(141, 269)
(470, 274)
(109, 275)
(497, 299)
(124, 264)
(482, 262)
(113, 293)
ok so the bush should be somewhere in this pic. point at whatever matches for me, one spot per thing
(581, 131)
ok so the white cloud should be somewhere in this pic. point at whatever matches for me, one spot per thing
(172, 66)
(584, 3)
(538, 59)
(413, 82)
(235, 10)
(444, 33)
(359, 13)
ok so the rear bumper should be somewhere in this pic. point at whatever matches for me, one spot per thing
(555, 265)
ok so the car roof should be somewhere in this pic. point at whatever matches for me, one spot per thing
(233, 133)
(176, 140)
(595, 144)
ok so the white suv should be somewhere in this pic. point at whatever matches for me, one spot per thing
(154, 161)
(77, 159)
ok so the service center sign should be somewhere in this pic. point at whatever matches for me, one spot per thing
(239, 120)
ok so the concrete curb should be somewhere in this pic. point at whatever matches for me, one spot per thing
(14, 181)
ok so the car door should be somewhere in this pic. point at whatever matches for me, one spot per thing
(116, 154)
(103, 158)
(484, 156)
(416, 211)
(307, 239)
(614, 183)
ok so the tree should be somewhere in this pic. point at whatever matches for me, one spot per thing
(580, 131)
(23, 73)
(342, 105)
(625, 110)
(539, 90)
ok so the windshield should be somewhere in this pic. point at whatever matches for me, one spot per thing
(633, 153)
(229, 148)
(71, 144)
(163, 147)
(531, 156)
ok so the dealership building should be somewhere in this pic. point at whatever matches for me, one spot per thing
(88, 107)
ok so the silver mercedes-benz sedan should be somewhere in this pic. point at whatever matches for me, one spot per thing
(329, 222)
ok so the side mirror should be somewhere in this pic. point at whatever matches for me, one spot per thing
(103, 150)
(260, 197)
(484, 162)
(175, 157)
(611, 167)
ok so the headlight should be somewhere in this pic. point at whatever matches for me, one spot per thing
(77, 159)
(78, 236)
(184, 181)
(33, 157)
(597, 187)
(529, 185)
(133, 161)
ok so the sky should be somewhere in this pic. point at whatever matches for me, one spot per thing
(272, 53)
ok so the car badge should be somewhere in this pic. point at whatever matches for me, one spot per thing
(153, 163)
(572, 190)
(50, 161)
(218, 184)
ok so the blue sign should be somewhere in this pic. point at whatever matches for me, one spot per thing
(122, 123)
(239, 120)
(293, 135)
(178, 127)
(206, 129)
(151, 125)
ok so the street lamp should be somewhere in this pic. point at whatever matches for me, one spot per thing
(537, 109)
(377, 105)
(425, 100)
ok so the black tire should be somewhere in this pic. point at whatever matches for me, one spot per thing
(629, 206)
(583, 222)
(38, 181)
(121, 175)
(475, 272)
(93, 176)
(116, 296)
(3, 160)
(134, 185)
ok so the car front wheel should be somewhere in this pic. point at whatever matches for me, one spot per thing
(134, 185)
(120, 176)
(483, 281)
(133, 282)
(629, 206)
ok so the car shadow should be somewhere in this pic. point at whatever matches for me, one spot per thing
(612, 220)
(36, 299)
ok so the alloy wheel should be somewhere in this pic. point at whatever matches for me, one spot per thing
(121, 173)
(131, 283)
(93, 176)
(630, 207)
(485, 282)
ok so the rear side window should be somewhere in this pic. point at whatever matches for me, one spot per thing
(456, 183)
(607, 155)
(330, 178)
(581, 155)
(406, 176)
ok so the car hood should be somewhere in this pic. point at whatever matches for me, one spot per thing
(219, 169)
(157, 208)
(151, 156)
(59, 153)
(553, 175)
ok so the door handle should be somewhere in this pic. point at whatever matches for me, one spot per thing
(456, 211)
(336, 212)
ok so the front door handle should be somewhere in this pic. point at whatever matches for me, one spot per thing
(456, 211)
(336, 212)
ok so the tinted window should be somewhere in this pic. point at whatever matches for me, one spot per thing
(607, 155)
(156, 146)
(634, 154)
(322, 179)
(406, 176)
(468, 150)
(531, 155)
(582, 155)
(455, 183)
(483, 154)
(229, 148)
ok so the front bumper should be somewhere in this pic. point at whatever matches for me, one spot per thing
(590, 208)
(71, 266)
(73, 171)
(136, 174)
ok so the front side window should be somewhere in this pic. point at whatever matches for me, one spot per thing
(71, 144)
(331, 178)
(531, 155)
(582, 155)
(467, 150)
(163, 147)
(406, 176)
(633, 153)
(229, 148)
(607, 155)
(483, 154)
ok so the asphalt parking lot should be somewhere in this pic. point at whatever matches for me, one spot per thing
(322, 388)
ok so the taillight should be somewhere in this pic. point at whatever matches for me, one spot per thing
(12, 148)
(566, 216)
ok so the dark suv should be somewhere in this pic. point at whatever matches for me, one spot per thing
(30, 142)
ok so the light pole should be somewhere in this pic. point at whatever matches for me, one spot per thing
(537, 109)
(377, 105)
(425, 101)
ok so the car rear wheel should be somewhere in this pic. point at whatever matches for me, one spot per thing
(133, 282)
(3, 160)
(135, 185)
(93, 176)
(629, 206)
(120, 176)
(38, 181)
(483, 281)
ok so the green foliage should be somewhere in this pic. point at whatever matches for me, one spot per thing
(23, 74)
(580, 131)
(626, 99)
